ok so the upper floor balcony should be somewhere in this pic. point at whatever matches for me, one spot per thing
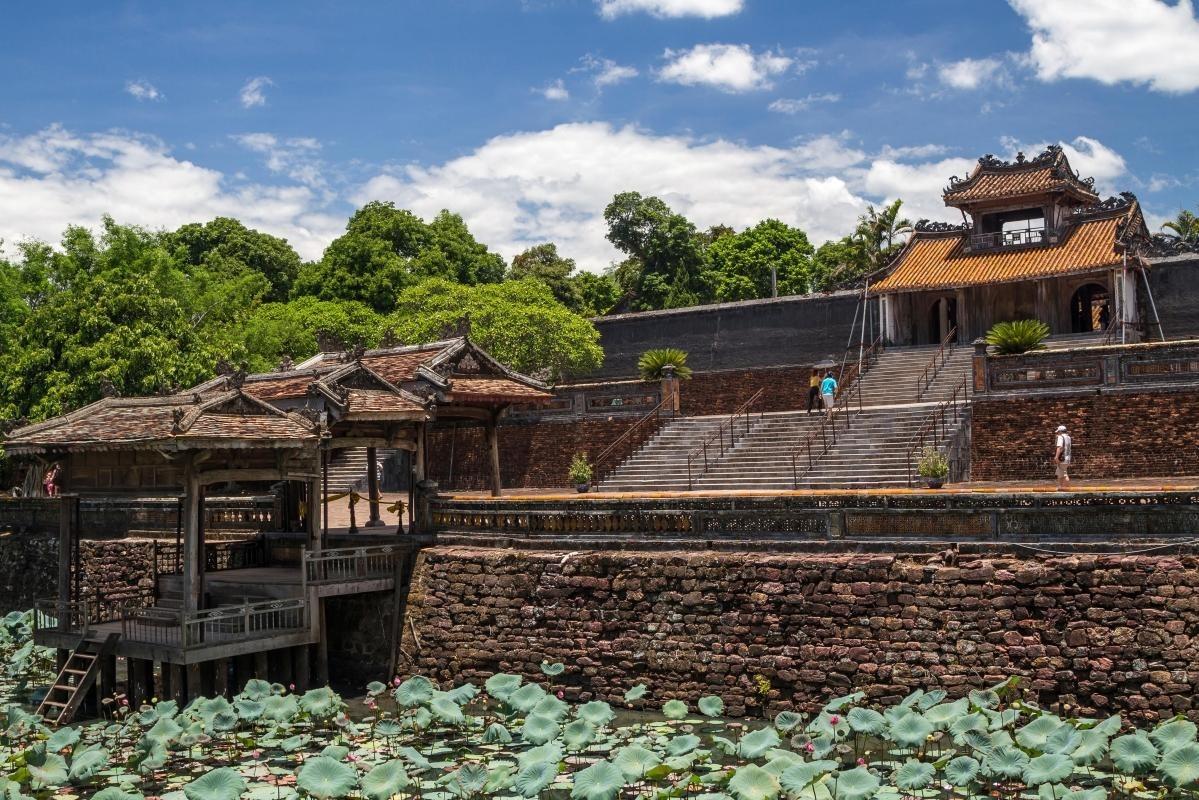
(1023, 237)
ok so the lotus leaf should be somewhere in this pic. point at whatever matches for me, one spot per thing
(280, 708)
(463, 694)
(153, 759)
(943, 715)
(1180, 766)
(780, 761)
(61, 739)
(1110, 726)
(751, 782)
(446, 710)
(257, 689)
(552, 707)
(501, 685)
(1034, 735)
(293, 743)
(635, 694)
(421, 718)
(414, 758)
(222, 783)
(979, 741)
(499, 780)
(321, 703)
(799, 777)
(225, 721)
(415, 691)
(578, 734)
(1096, 793)
(930, 699)
(1063, 740)
(248, 710)
(1133, 753)
(539, 729)
(376, 688)
(1167, 736)
(787, 721)
(858, 783)
(1049, 768)
(597, 712)
(961, 770)
(684, 743)
(674, 709)
(984, 698)
(1091, 748)
(910, 701)
(711, 706)
(822, 745)
(384, 781)
(600, 781)
(754, 744)
(326, 778)
(117, 793)
(526, 698)
(468, 780)
(913, 775)
(85, 761)
(910, 730)
(839, 703)
(47, 770)
(337, 752)
(496, 734)
(1006, 762)
(864, 720)
(546, 752)
(533, 779)
(552, 669)
(634, 761)
(726, 746)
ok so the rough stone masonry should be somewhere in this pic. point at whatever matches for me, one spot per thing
(1099, 634)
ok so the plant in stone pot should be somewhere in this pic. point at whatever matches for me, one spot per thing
(580, 472)
(653, 363)
(1017, 336)
(933, 467)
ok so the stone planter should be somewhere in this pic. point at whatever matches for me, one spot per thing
(934, 482)
(583, 487)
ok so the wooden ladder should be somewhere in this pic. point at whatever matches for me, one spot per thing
(77, 676)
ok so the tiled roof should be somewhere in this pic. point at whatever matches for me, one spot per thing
(165, 422)
(494, 389)
(400, 367)
(371, 401)
(282, 388)
(940, 262)
(994, 179)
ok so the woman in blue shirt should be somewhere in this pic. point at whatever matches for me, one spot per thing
(828, 393)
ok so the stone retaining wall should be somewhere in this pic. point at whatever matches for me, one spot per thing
(768, 632)
(117, 571)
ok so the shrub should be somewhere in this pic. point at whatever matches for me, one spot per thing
(580, 469)
(1018, 336)
(653, 362)
(932, 464)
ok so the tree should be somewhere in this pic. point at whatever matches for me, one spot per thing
(521, 323)
(386, 249)
(664, 248)
(1184, 227)
(276, 330)
(879, 230)
(598, 293)
(543, 263)
(740, 264)
(839, 263)
(224, 246)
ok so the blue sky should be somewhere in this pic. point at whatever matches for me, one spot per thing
(526, 116)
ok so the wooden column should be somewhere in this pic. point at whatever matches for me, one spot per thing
(195, 682)
(178, 683)
(220, 677)
(261, 670)
(162, 681)
(107, 685)
(372, 488)
(303, 668)
(66, 535)
(493, 447)
(193, 585)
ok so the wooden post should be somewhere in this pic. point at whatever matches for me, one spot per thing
(108, 677)
(162, 681)
(493, 446)
(261, 670)
(66, 535)
(321, 675)
(195, 682)
(193, 585)
(220, 678)
(178, 684)
(303, 668)
(372, 488)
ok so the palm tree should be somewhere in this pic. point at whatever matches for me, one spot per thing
(878, 230)
(1184, 227)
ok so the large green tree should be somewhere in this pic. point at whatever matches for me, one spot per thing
(275, 331)
(521, 323)
(666, 261)
(224, 247)
(387, 249)
(740, 264)
(1184, 227)
(582, 292)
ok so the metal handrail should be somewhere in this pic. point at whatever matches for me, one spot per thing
(599, 465)
(731, 422)
(352, 563)
(932, 367)
(936, 424)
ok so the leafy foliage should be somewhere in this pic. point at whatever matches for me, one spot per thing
(652, 364)
(1017, 336)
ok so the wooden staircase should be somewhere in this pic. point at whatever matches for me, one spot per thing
(78, 675)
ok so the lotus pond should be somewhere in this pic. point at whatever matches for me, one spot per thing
(512, 738)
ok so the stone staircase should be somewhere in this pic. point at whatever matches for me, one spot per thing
(347, 468)
(661, 463)
(894, 377)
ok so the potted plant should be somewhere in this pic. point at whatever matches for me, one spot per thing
(1018, 336)
(933, 467)
(580, 472)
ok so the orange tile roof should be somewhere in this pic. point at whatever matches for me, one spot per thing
(940, 262)
(992, 179)
(1009, 184)
(372, 401)
(484, 389)
(279, 388)
(399, 367)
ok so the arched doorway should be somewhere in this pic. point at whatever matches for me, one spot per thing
(943, 318)
(1090, 308)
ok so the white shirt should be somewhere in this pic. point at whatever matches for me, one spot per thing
(1063, 441)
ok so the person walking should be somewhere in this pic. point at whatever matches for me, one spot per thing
(828, 393)
(1062, 446)
(813, 390)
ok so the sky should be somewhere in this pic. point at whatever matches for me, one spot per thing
(527, 116)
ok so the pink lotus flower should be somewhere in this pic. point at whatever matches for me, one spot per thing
(291, 687)
(809, 748)
(352, 757)
(833, 719)
(861, 762)
(561, 694)
(124, 701)
(396, 681)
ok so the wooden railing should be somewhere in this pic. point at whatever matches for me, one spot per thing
(935, 364)
(62, 616)
(640, 431)
(716, 445)
(937, 427)
(244, 554)
(346, 565)
(998, 239)
(215, 626)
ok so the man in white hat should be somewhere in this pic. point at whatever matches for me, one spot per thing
(1062, 445)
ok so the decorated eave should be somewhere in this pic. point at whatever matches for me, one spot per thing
(355, 392)
(1093, 238)
(464, 374)
(996, 181)
(228, 420)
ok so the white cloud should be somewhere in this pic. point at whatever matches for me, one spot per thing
(556, 91)
(253, 94)
(1112, 41)
(605, 71)
(729, 67)
(708, 9)
(920, 185)
(969, 73)
(793, 105)
(54, 178)
(294, 157)
(143, 90)
(828, 153)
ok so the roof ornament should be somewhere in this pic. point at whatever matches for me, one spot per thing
(7, 426)
(285, 364)
(459, 330)
(468, 365)
(234, 376)
(1019, 156)
(928, 226)
(329, 342)
(108, 388)
(177, 415)
(355, 353)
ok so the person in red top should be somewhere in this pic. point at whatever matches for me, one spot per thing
(50, 481)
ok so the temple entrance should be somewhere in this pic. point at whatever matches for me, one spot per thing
(1090, 308)
(943, 318)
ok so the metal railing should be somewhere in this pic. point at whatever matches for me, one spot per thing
(350, 564)
(215, 626)
(935, 364)
(936, 427)
(716, 442)
(641, 430)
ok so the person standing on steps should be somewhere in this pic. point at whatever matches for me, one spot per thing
(828, 393)
(1062, 445)
(813, 390)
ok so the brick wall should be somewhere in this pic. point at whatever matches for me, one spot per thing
(1115, 435)
(1104, 634)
